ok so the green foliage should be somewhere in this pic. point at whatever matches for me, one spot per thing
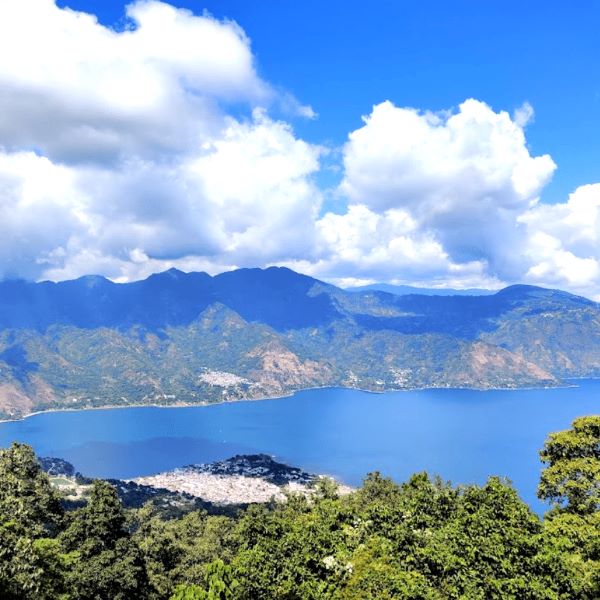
(31, 569)
(26, 497)
(188, 592)
(100, 524)
(177, 552)
(571, 482)
(221, 585)
(572, 478)
(422, 540)
(109, 565)
(31, 564)
(575, 541)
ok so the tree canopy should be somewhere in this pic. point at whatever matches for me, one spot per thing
(423, 539)
(571, 480)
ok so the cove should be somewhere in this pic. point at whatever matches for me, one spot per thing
(462, 435)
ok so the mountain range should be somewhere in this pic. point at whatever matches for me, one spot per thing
(191, 338)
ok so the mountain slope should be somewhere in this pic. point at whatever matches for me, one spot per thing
(192, 338)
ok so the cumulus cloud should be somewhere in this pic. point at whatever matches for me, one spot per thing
(124, 152)
(118, 152)
(247, 199)
(463, 177)
(524, 114)
(453, 198)
(39, 210)
(563, 245)
(371, 246)
(81, 92)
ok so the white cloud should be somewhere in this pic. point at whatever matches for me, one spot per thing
(141, 165)
(81, 92)
(38, 211)
(563, 244)
(246, 199)
(523, 115)
(374, 245)
(454, 198)
(119, 154)
(257, 178)
(364, 246)
(463, 177)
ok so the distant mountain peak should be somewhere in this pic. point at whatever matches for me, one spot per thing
(522, 291)
(523, 287)
(172, 273)
(92, 281)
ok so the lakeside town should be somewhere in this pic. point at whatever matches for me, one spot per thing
(237, 481)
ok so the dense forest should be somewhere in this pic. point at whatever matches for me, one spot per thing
(422, 539)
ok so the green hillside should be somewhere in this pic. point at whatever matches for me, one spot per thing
(179, 338)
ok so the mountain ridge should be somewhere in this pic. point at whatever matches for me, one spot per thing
(402, 290)
(193, 338)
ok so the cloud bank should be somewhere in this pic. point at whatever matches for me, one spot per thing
(454, 198)
(126, 152)
(120, 152)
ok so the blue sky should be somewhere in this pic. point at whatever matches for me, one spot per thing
(342, 57)
(448, 144)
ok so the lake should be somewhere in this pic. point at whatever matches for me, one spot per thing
(462, 435)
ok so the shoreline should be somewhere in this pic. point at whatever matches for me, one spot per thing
(564, 384)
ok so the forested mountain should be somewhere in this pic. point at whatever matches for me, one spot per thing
(250, 333)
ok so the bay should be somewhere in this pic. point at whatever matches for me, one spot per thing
(462, 435)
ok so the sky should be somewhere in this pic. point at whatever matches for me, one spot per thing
(438, 144)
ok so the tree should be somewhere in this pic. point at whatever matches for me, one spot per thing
(189, 591)
(571, 481)
(31, 564)
(110, 565)
(177, 551)
(100, 524)
(26, 496)
(221, 585)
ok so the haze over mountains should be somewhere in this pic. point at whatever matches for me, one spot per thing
(404, 290)
(250, 333)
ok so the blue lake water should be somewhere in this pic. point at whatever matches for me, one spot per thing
(462, 435)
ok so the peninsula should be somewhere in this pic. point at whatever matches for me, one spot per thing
(235, 482)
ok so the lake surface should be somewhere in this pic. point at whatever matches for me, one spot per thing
(462, 435)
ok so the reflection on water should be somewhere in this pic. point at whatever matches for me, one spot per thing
(145, 457)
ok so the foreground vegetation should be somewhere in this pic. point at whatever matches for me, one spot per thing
(424, 539)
